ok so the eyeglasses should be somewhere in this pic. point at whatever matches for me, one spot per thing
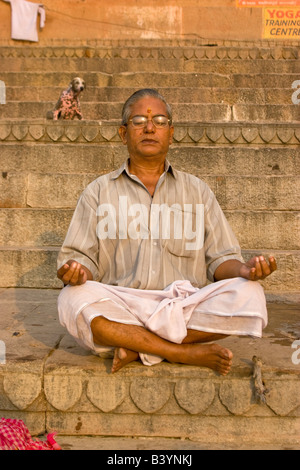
(160, 121)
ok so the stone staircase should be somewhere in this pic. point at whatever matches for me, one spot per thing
(235, 127)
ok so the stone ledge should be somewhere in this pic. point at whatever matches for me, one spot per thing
(217, 53)
(75, 46)
(41, 130)
(52, 383)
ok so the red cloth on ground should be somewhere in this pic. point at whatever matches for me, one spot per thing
(14, 435)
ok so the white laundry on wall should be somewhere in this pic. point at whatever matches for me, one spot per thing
(24, 19)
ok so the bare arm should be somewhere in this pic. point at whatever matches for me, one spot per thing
(255, 269)
(74, 273)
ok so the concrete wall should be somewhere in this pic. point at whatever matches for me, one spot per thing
(121, 19)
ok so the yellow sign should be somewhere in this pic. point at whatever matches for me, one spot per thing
(281, 23)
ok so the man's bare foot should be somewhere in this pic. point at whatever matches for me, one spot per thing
(123, 357)
(213, 356)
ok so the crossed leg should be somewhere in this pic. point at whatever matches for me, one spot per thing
(130, 340)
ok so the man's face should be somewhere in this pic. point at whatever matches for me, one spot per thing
(149, 140)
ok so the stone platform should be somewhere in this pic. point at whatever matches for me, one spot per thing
(53, 384)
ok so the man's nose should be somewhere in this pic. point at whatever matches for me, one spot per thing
(150, 127)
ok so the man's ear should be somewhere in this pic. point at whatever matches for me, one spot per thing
(171, 134)
(123, 134)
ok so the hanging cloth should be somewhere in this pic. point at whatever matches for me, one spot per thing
(24, 19)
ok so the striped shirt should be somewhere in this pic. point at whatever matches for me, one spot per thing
(126, 237)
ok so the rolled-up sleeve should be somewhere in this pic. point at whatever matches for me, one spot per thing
(81, 242)
(220, 242)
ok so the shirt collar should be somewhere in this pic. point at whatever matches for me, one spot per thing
(125, 168)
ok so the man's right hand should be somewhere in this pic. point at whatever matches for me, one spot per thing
(74, 274)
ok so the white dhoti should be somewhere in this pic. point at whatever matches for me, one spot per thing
(229, 307)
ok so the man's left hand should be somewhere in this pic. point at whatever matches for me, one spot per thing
(258, 268)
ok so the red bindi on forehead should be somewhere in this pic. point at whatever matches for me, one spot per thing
(148, 106)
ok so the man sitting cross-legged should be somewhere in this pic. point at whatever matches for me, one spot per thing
(142, 244)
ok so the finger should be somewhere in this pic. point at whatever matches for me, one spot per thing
(82, 277)
(273, 264)
(252, 275)
(61, 271)
(69, 274)
(258, 269)
(74, 279)
(265, 268)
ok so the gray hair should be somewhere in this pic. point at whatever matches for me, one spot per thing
(136, 97)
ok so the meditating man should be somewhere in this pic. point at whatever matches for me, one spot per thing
(142, 245)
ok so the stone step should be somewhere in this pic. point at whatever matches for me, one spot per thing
(185, 112)
(113, 111)
(241, 66)
(50, 190)
(117, 65)
(35, 267)
(155, 446)
(282, 96)
(42, 130)
(153, 79)
(274, 230)
(80, 157)
(29, 267)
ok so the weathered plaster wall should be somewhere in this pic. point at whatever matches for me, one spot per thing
(121, 19)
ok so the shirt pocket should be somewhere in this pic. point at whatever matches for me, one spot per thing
(182, 229)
